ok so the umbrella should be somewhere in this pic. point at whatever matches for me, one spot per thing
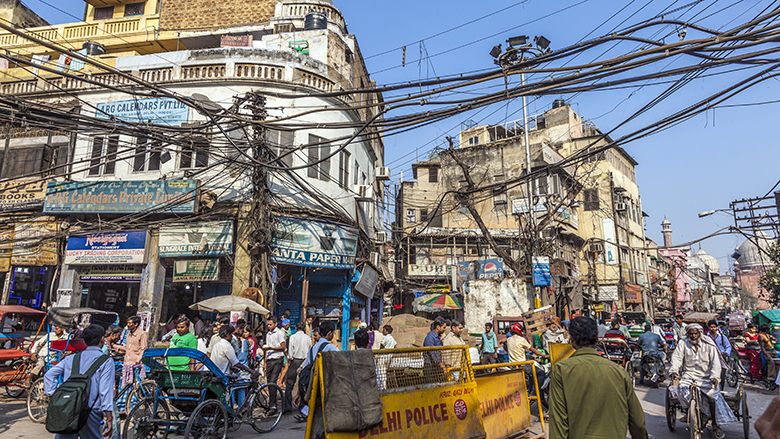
(227, 304)
(438, 302)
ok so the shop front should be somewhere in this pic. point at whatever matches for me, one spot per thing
(32, 262)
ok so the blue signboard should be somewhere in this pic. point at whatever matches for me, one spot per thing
(121, 196)
(313, 243)
(541, 271)
(106, 248)
(162, 111)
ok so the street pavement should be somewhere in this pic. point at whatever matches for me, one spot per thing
(14, 423)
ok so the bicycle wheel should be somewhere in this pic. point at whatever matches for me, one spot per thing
(144, 390)
(671, 411)
(745, 416)
(266, 409)
(732, 378)
(14, 390)
(694, 421)
(209, 420)
(144, 422)
(37, 402)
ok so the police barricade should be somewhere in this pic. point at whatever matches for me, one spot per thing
(560, 352)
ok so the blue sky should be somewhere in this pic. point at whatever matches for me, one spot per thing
(702, 164)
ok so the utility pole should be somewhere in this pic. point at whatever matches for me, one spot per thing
(617, 240)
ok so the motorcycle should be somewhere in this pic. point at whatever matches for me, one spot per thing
(652, 366)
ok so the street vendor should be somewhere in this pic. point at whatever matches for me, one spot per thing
(696, 360)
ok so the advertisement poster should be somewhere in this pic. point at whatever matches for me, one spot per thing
(196, 270)
(479, 269)
(22, 194)
(610, 249)
(31, 246)
(162, 111)
(121, 196)
(106, 248)
(196, 239)
(541, 271)
(313, 243)
(368, 281)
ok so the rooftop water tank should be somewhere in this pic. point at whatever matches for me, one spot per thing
(93, 48)
(315, 21)
(558, 103)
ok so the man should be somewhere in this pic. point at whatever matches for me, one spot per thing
(433, 367)
(198, 325)
(603, 328)
(223, 355)
(286, 328)
(40, 350)
(101, 392)
(679, 328)
(438, 326)
(388, 342)
(489, 345)
(614, 330)
(454, 337)
(723, 343)
(274, 347)
(554, 334)
(696, 360)
(300, 343)
(222, 321)
(134, 349)
(377, 336)
(326, 332)
(516, 345)
(183, 339)
(651, 343)
(590, 396)
(362, 339)
(309, 323)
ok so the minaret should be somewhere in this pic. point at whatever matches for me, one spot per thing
(666, 229)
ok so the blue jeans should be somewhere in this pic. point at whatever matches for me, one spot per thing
(92, 430)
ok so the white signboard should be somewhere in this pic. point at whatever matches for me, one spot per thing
(608, 293)
(610, 249)
(420, 270)
(368, 281)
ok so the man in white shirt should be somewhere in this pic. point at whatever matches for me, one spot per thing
(40, 349)
(388, 342)
(300, 343)
(274, 353)
(224, 357)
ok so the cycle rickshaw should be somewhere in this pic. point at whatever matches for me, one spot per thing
(737, 402)
(71, 319)
(15, 366)
(200, 403)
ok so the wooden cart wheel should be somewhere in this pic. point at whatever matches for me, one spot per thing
(671, 411)
(209, 420)
(745, 416)
(694, 417)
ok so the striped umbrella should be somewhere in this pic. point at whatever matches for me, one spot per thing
(440, 302)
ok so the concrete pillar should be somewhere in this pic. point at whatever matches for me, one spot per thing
(242, 269)
(69, 280)
(152, 282)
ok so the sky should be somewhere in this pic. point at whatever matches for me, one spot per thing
(703, 164)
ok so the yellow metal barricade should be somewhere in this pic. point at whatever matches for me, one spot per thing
(560, 352)
(504, 399)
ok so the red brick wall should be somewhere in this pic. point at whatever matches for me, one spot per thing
(205, 14)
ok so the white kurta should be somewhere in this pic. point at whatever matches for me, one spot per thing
(700, 365)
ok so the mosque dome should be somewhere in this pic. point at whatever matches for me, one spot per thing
(750, 255)
(709, 260)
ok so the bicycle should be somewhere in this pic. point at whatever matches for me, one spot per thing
(134, 392)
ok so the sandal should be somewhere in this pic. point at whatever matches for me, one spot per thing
(300, 418)
(718, 432)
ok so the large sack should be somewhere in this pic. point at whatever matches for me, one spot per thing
(351, 398)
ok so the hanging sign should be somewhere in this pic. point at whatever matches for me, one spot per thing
(106, 248)
(368, 281)
(196, 270)
(6, 249)
(196, 239)
(314, 243)
(35, 244)
(541, 271)
(22, 194)
(121, 196)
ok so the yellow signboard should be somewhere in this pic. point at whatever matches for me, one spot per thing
(6, 248)
(504, 402)
(35, 243)
(22, 194)
(560, 352)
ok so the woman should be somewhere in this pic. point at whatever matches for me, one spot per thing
(753, 350)
(203, 338)
(252, 344)
(767, 342)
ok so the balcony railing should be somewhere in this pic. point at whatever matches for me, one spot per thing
(76, 32)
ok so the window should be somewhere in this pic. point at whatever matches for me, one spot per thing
(547, 185)
(411, 216)
(319, 149)
(357, 171)
(147, 155)
(344, 169)
(433, 175)
(23, 161)
(104, 13)
(281, 143)
(195, 155)
(591, 199)
(423, 215)
(134, 9)
(474, 140)
(103, 156)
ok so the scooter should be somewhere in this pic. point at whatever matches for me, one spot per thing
(652, 366)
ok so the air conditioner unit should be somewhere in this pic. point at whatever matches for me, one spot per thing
(364, 192)
(621, 207)
(383, 173)
(376, 259)
(380, 237)
(547, 234)
(596, 248)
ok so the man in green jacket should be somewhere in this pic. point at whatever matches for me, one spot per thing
(590, 396)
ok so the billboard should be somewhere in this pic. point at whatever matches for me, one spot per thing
(121, 196)
(479, 269)
(162, 111)
(196, 239)
(30, 245)
(107, 248)
(313, 243)
(541, 271)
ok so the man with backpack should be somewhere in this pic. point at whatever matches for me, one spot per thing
(76, 410)
(327, 331)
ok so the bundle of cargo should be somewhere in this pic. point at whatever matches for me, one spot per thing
(539, 320)
(409, 331)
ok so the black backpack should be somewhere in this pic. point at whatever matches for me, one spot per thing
(69, 405)
(304, 379)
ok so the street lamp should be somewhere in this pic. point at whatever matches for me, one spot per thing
(710, 212)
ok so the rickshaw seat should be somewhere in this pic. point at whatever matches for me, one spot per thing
(12, 354)
(72, 345)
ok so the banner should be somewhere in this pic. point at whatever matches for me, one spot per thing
(610, 249)
(22, 194)
(31, 246)
(608, 293)
(633, 293)
(111, 273)
(541, 271)
(368, 281)
(314, 243)
(196, 270)
(520, 205)
(163, 111)
(121, 196)
(106, 248)
(196, 239)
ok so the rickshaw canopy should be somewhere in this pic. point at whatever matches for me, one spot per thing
(769, 316)
(20, 311)
(63, 317)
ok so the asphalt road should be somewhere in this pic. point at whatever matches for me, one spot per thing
(14, 423)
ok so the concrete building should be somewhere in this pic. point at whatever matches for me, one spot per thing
(752, 263)
(325, 194)
(660, 276)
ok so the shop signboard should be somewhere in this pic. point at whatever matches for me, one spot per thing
(608, 293)
(368, 281)
(22, 194)
(6, 249)
(163, 196)
(520, 205)
(107, 248)
(312, 243)
(633, 293)
(541, 271)
(423, 270)
(196, 270)
(35, 244)
(163, 111)
(111, 273)
(196, 239)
